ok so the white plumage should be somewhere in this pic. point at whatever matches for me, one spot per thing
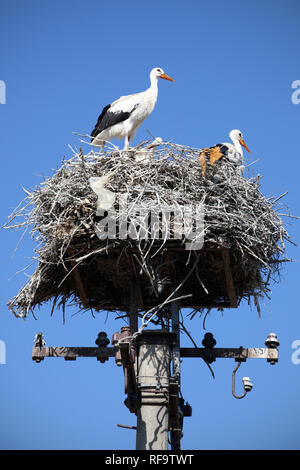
(105, 197)
(123, 117)
(234, 151)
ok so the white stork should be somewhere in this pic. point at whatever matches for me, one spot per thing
(234, 151)
(123, 117)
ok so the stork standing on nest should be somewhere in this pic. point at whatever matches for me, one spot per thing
(233, 152)
(123, 117)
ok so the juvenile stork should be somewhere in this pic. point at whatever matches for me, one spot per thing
(123, 117)
(233, 152)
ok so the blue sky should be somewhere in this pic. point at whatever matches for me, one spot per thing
(233, 63)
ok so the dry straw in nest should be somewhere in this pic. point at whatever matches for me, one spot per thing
(244, 238)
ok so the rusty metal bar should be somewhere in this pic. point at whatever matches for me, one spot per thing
(239, 354)
(271, 354)
(233, 384)
(125, 426)
(72, 352)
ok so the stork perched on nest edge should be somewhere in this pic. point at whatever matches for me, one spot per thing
(123, 117)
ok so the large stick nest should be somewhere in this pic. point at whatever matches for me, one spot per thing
(243, 234)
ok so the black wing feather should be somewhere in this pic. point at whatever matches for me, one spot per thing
(95, 130)
(223, 148)
(108, 119)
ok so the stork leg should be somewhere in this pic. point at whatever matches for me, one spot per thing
(127, 138)
(99, 143)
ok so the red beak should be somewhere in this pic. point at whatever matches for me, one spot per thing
(166, 77)
(242, 142)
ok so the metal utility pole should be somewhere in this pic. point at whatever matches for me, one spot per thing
(152, 392)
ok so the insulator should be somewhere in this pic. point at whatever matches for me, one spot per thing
(209, 341)
(102, 340)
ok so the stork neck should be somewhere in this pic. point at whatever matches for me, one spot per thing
(153, 90)
(238, 146)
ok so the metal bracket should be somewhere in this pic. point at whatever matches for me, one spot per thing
(128, 358)
(246, 381)
(124, 353)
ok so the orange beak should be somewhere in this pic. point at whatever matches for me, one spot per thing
(166, 77)
(242, 142)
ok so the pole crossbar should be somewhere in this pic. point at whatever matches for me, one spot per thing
(73, 352)
(239, 354)
(153, 393)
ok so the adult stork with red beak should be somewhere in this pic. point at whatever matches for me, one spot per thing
(123, 117)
